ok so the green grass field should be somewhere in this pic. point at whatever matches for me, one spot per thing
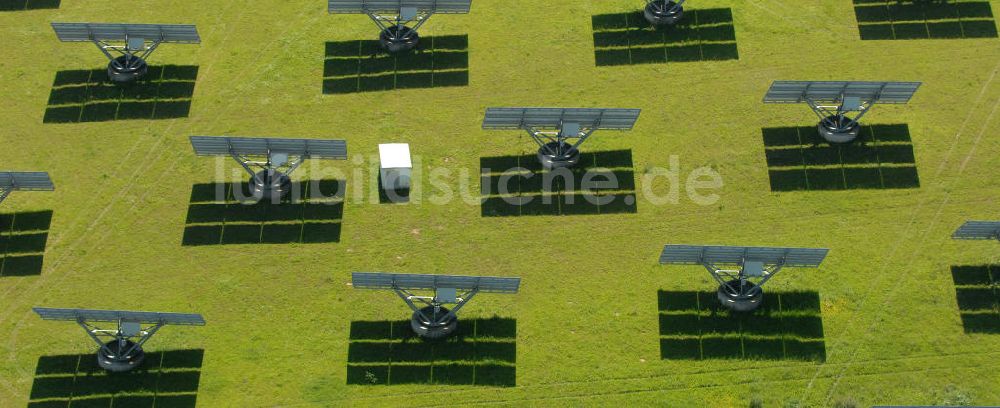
(880, 322)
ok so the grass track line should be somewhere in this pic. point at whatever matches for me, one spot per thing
(920, 246)
(145, 166)
(929, 360)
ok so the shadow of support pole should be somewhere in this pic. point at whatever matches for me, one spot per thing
(881, 158)
(224, 213)
(22, 5)
(922, 19)
(628, 39)
(695, 326)
(165, 379)
(602, 183)
(165, 92)
(362, 66)
(23, 237)
(481, 352)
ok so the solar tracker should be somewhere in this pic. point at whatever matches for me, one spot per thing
(25, 181)
(269, 176)
(127, 46)
(735, 255)
(978, 230)
(740, 289)
(392, 17)
(183, 319)
(375, 280)
(572, 126)
(394, 6)
(837, 91)
(547, 118)
(831, 101)
(120, 347)
(260, 146)
(431, 319)
(89, 32)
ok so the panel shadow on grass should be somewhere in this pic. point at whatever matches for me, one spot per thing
(628, 39)
(977, 290)
(695, 326)
(165, 379)
(602, 183)
(923, 19)
(16, 5)
(223, 213)
(89, 96)
(23, 237)
(881, 158)
(482, 352)
(361, 66)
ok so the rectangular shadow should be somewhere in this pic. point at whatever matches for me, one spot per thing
(695, 326)
(225, 213)
(481, 352)
(922, 19)
(17, 5)
(602, 183)
(168, 378)
(362, 66)
(880, 158)
(977, 291)
(88, 96)
(23, 237)
(628, 39)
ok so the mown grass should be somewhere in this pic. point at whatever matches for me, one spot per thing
(587, 319)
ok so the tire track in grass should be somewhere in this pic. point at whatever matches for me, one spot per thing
(961, 129)
(148, 164)
(142, 169)
(878, 366)
(923, 237)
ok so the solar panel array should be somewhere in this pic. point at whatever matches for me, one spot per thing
(376, 280)
(26, 180)
(168, 33)
(224, 146)
(520, 118)
(836, 91)
(735, 255)
(183, 319)
(394, 6)
(978, 230)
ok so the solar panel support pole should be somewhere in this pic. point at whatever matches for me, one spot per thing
(121, 352)
(433, 320)
(395, 35)
(663, 12)
(834, 124)
(558, 148)
(127, 46)
(267, 179)
(738, 283)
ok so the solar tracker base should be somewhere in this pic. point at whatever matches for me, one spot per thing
(433, 330)
(395, 39)
(270, 184)
(749, 300)
(837, 129)
(550, 161)
(117, 363)
(122, 70)
(656, 16)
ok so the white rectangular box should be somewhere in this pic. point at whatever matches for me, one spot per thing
(395, 166)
